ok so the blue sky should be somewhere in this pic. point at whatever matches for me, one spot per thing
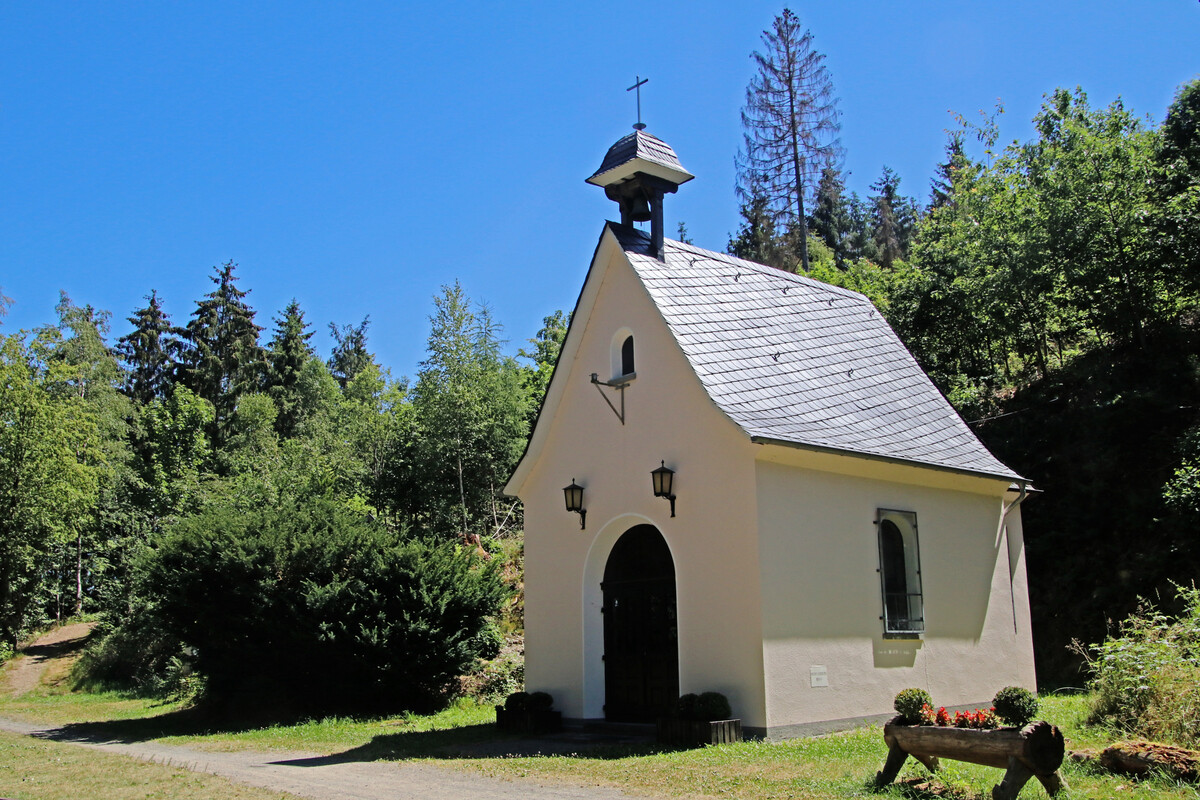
(358, 156)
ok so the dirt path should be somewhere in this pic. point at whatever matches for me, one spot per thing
(52, 653)
(310, 775)
(332, 777)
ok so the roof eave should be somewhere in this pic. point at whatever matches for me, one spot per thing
(628, 169)
(1010, 477)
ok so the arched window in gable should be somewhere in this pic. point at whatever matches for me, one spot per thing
(624, 364)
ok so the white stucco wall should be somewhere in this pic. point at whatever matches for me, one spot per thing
(712, 538)
(822, 599)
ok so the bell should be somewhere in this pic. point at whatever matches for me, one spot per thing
(639, 209)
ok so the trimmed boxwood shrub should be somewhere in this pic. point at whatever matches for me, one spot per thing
(909, 703)
(704, 707)
(1015, 705)
(540, 701)
(516, 702)
(685, 706)
(713, 705)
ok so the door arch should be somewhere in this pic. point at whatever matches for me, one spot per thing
(641, 639)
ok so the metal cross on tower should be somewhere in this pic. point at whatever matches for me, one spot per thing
(640, 126)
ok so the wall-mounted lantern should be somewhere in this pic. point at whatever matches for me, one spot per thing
(664, 479)
(573, 494)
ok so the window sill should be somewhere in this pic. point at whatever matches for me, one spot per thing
(904, 635)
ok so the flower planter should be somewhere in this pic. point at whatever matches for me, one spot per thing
(694, 733)
(538, 721)
(1035, 751)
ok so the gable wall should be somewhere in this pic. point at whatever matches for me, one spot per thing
(712, 538)
(822, 598)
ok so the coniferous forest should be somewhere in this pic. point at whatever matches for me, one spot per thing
(233, 506)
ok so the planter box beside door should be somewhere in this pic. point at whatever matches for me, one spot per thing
(693, 733)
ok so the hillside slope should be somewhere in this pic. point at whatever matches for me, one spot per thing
(1100, 438)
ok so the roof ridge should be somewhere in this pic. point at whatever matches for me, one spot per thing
(735, 261)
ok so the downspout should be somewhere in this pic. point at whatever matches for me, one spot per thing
(1012, 600)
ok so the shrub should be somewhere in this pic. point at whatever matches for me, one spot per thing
(1015, 705)
(908, 705)
(1146, 679)
(685, 706)
(712, 705)
(540, 701)
(517, 702)
(494, 679)
(315, 609)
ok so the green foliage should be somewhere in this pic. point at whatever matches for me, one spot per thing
(315, 608)
(1146, 677)
(350, 356)
(703, 707)
(685, 706)
(1182, 491)
(48, 481)
(1015, 705)
(149, 352)
(175, 450)
(713, 705)
(540, 701)
(909, 702)
(287, 356)
(544, 355)
(470, 419)
(223, 360)
(517, 701)
(497, 677)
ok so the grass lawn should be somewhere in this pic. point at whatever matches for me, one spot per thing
(32, 769)
(836, 766)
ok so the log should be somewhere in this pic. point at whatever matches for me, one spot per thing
(1139, 758)
(1033, 751)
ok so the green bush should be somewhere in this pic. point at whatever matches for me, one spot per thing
(908, 705)
(713, 705)
(1146, 679)
(706, 707)
(517, 701)
(540, 701)
(685, 706)
(1015, 705)
(314, 609)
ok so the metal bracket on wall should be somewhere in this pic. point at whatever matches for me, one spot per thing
(616, 383)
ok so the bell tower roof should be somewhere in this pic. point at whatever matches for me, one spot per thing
(640, 152)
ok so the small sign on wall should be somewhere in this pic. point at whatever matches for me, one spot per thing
(818, 676)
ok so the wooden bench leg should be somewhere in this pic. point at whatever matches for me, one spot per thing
(1018, 775)
(931, 762)
(891, 768)
(1054, 782)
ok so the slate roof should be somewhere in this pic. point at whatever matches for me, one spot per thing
(796, 361)
(639, 144)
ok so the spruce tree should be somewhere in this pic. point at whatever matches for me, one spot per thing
(149, 352)
(791, 125)
(349, 356)
(223, 359)
(831, 217)
(287, 354)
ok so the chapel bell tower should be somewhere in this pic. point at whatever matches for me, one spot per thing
(636, 173)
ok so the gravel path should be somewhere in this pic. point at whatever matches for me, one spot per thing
(332, 777)
(311, 775)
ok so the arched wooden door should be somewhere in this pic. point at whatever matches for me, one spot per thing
(641, 649)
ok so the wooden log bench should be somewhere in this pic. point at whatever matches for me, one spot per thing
(1035, 751)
